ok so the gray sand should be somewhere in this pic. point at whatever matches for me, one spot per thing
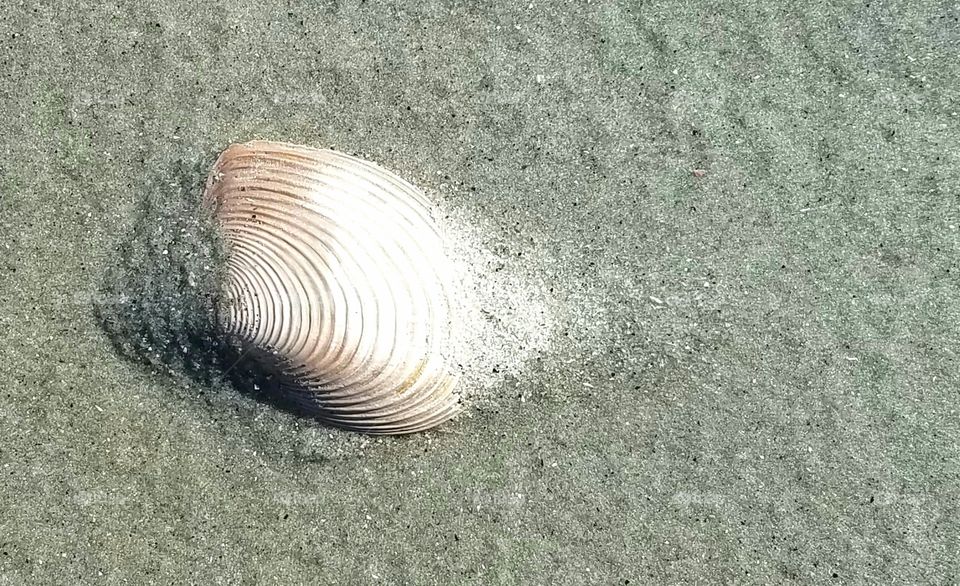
(747, 217)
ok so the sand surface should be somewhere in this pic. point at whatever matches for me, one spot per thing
(737, 223)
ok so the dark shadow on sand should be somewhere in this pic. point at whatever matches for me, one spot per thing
(160, 300)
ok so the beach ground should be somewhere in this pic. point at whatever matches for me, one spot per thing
(747, 214)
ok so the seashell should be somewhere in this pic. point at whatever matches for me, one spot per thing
(337, 282)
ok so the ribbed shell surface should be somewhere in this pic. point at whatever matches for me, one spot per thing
(337, 276)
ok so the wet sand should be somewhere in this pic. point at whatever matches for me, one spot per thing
(746, 216)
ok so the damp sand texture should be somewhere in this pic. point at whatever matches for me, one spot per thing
(742, 219)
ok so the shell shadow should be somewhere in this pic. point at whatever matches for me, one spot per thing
(159, 299)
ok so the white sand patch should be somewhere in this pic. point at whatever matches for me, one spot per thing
(501, 312)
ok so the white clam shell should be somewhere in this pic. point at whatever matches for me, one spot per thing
(337, 279)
